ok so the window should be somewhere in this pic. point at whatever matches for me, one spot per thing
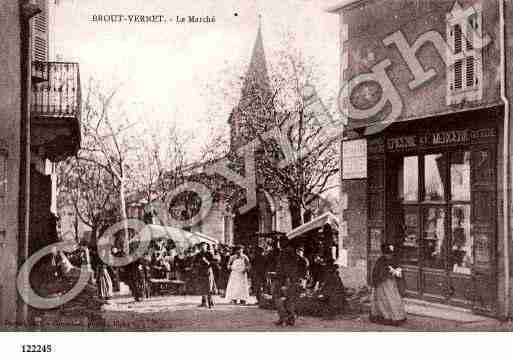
(409, 179)
(433, 174)
(411, 236)
(433, 237)
(460, 176)
(464, 74)
(461, 258)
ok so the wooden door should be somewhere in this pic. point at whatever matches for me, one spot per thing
(483, 229)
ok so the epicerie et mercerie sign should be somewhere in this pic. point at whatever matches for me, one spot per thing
(354, 159)
(443, 138)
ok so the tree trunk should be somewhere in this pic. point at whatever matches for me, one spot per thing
(295, 214)
(124, 215)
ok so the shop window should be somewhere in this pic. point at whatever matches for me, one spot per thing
(462, 243)
(433, 175)
(408, 179)
(460, 176)
(434, 238)
(410, 247)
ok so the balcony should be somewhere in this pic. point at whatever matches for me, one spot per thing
(55, 109)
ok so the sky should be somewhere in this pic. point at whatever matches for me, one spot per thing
(174, 73)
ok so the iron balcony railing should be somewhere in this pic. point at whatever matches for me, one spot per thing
(58, 96)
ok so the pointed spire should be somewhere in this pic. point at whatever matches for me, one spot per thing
(257, 77)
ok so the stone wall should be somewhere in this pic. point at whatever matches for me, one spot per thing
(355, 239)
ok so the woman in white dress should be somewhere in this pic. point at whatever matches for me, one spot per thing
(238, 285)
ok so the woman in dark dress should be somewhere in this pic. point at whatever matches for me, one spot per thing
(224, 273)
(387, 306)
(137, 279)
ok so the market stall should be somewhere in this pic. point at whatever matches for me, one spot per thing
(169, 256)
(324, 292)
(182, 239)
(319, 236)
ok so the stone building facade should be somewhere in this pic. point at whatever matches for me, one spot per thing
(428, 99)
(39, 126)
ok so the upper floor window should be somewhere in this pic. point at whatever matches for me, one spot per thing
(464, 73)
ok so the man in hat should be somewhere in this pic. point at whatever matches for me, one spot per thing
(204, 261)
(288, 282)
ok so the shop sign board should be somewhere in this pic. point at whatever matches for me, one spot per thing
(440, 138)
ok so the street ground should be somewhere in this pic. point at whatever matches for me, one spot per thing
(181, 313)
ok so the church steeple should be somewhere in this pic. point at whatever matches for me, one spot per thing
(256, 80)
(254, 99)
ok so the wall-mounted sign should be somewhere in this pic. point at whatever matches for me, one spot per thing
(354, 159)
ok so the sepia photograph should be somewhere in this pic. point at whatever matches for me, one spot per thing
(255, 166)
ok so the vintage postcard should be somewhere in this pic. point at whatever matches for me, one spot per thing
(255, 166)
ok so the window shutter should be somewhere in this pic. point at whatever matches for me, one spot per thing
(478, 73)
(450, 69)
(40, 32)
(458, 74)
(473, 61)
(457, 39)
(470, 71)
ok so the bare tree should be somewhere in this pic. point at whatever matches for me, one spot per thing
(159, 161)
(286, 106)
(98, 178)
(88, 189)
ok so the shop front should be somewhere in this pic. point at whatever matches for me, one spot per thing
(432, 191)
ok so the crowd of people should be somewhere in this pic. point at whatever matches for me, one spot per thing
(280, 270)
(233, 272)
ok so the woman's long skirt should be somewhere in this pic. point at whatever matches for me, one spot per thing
(387, 304)
(238, 286)
(105, 286)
